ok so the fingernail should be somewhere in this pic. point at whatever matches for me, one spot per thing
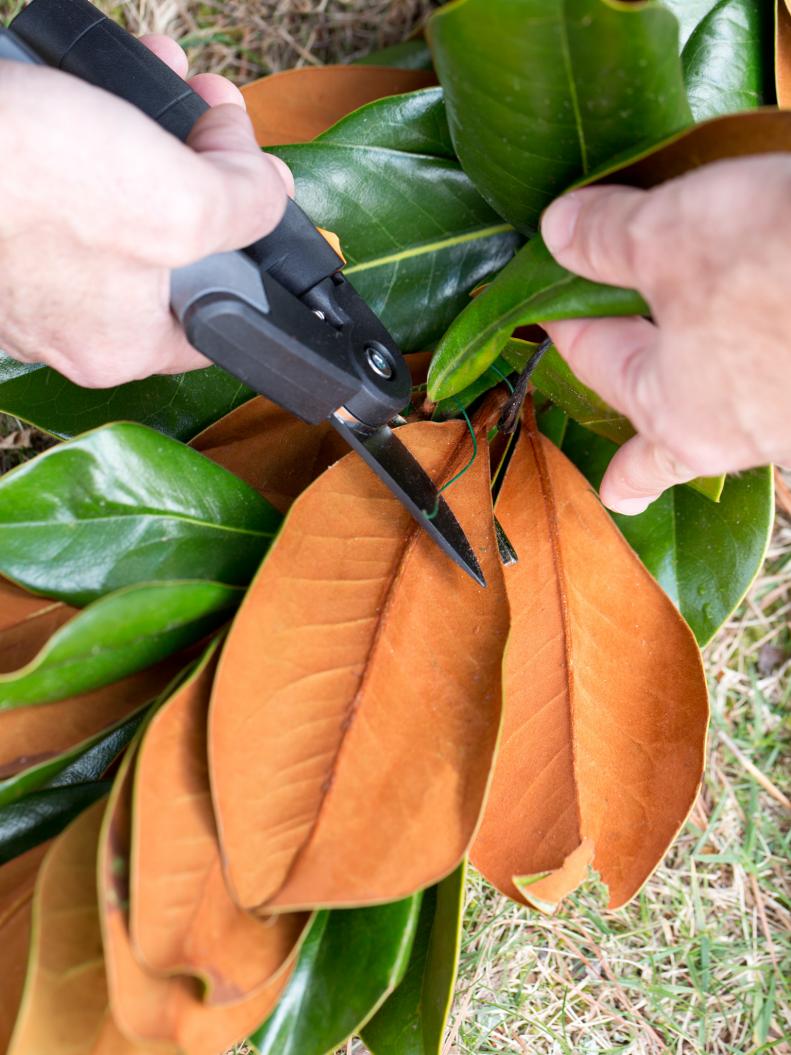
(630, 507)
(559, 221)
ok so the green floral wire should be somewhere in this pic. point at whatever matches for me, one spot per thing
(461, 472)
(502, 377)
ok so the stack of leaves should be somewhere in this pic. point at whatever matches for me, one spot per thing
(252, 722)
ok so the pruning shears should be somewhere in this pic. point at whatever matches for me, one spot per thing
(279, 314)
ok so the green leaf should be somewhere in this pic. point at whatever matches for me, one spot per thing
(118, 635)
(728, 59)
(180, 406)
(689, 14)
(412, 1020)
(497, 372)
(350, 961)
(533, 288)
(555, 378)
(414, 123)
(417, 235)
(122, 505)
(44, 814)
(540, 94)
(408, 55)
(705, 556)
(82, 764)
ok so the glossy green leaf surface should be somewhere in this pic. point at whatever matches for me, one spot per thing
(180, 406)
(555, 378)
(417, 235)
(689, 14)
(727, 59)
(412, 1020)
(408, 55)
(533, 288)
(42, 815)
(351, 959)
(493, 375)
(539, 94)
(123, 505)
(117, 635)
(703, 555)
(83, 764)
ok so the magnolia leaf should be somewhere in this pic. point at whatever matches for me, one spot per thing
(80, 765)
(533, 288)
(30, 736)
(64, 1008)
(689, 14)
(726, 60)
(540, 95)
(408, 55)
(179, 405)
(310, 818)
(182, 919)
(416, 234)
(17, 881)
(412, 1020)
(297, 105)
(275, 453)
(605, 708)
(350, 960)
(555, 379)
(123, 505)
(115, 636)
(783, 54)
(705, 557)
(148, 1008)
(41, 815)
(416, 123)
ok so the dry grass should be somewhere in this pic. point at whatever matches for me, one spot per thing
(244, 39)
(699, 963)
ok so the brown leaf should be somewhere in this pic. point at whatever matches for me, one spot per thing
(29, 735)
(149, 1008)
(27, 622)
(783, 54)
(765, 131)
(64, 1009)
(270, 449)
(605, 699)
(17, 881)
(182, 918)
(273, 451)
(357, 701)
(297, 105)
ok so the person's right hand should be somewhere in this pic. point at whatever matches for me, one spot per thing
(99, 205)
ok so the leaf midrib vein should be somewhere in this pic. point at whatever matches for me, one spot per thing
(388, 594)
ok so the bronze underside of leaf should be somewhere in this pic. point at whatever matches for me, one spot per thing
(605, 699)
(357, 701)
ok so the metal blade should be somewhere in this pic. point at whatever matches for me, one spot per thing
(381, 449)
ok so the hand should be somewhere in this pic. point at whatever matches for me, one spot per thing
(707, 383)
(100, 204)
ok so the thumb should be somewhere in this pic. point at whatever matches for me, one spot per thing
(248, 189)
(638, 473)
(591, 232)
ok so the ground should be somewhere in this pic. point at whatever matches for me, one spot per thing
(697, 964)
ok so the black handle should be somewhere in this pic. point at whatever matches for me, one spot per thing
(76, 37)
